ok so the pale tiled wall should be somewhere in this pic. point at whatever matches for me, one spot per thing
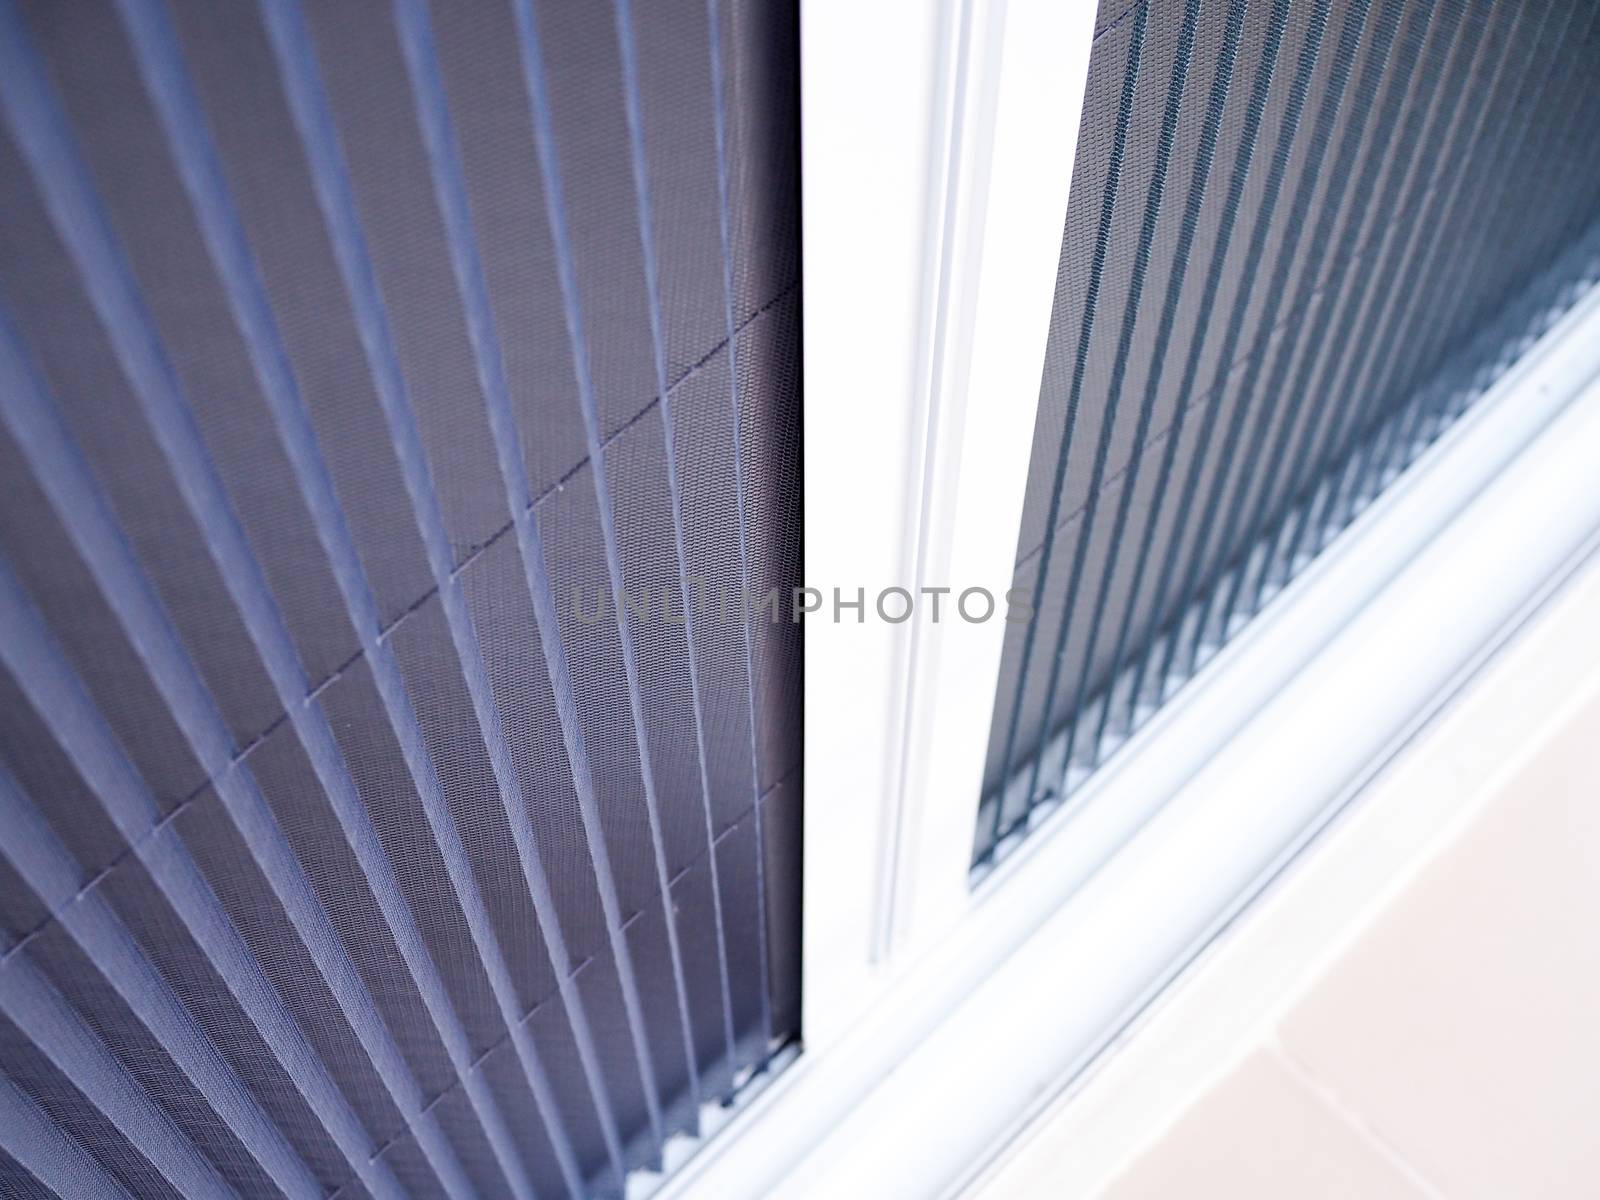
(1464, 1027)
(1266, 1131)
(1453, 1049)
(1417, 1013)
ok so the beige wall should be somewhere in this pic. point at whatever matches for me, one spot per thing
(1415, 1010)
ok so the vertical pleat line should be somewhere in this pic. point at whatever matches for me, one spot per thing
(1429, 382)
(83, 228)
(37, 855)
(1295, 222)
(1403, 437)
(229, 250)
(1271, 192)
(1216, 105)
(291, 47)
(1097, 266)
(1477, 155)
(1463, 210)
(1515, 237)
(719, 123)
(1322, 446)
(1445, 150)
(1577, 167)
(1432, 322)
(34, 659)
(1250, 134)
(1259, 403)
(154, 45)
(1562, 158)
(1154, 199)
(643, 209)
(1312, 512)
(34, 1006)
(1558, 154)
(532, 58)
(1312, 415)
(450, 188)
(50, 1154)
(1406, 351)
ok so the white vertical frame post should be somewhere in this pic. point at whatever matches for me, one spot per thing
(1029, 63)
(937, 147)
(873, 80)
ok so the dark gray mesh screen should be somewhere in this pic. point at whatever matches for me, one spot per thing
(397, 796)
(1302, 237)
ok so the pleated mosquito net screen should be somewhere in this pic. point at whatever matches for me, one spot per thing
(1302, 237)
(396, 401)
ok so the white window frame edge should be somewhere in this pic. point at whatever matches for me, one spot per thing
(1200, 809)
(937, 147)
